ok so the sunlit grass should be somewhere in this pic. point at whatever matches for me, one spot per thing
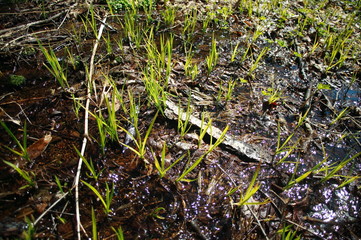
(155, 87)
(225, 93)
(331, 171)
(139, 141)
(294, 180)
(235, 52)
(256, 62)
(251, 190)
(190, 68)
(107, 200)
(337, 45)
(160, 163)
(184, 126)
(211, 147)
(189, 24)
(54, 67)
(169, 15)
(212, 58)
(153, 51)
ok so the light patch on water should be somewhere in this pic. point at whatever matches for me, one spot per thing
(297, 192)
(327, 194)
(114, 177)
(322, 212)
(338, 206)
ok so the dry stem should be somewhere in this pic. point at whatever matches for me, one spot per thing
(86, 128)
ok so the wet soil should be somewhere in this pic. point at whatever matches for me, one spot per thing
(144, 205)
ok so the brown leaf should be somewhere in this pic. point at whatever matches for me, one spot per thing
(38, 147)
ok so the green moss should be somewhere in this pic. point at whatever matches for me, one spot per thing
(119, 5)
(16, 80)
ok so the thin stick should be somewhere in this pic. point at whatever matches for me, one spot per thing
(258, 222)
(12, 30)
(86, 131)
(91, 70)
(47, 210)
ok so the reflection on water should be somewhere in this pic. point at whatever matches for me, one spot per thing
(338, 207)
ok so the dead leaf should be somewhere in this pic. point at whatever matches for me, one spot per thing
(38, 147)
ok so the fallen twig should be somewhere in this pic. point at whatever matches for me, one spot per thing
(8, 31)
(258, 222)
(250, 151)
(47, 210)
(86, 129)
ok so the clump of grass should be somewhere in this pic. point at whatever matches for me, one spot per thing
(252, 188)
(58, 183)
(184, 126)
(258, 59)
(330, 172)
(273, 95)
(29, 177)
(30, 231)
(89, 164)
(235, 51)
(189, 24)
(287, 233)
(109, 193)
(156, 91)
(139, 141)
(156, 213)
(303, 176)
(169, 14)
(160, 164)
(102, 130)
(134, 29)
(337, 47)
(212, 58)
(54, 67)
(23, 146)
(190, 68)
(119, 233)
(226, 94)
(157, 71)
(211, 147)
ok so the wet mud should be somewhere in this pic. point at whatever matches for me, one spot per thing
(279, 107)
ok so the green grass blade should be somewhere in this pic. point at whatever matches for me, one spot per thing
(143, 145)
(13, 136)
(94, 226)
(25, 175)
(119, 233)
(96, 192)
(88, 164)
(193, 166)
(339, 167)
